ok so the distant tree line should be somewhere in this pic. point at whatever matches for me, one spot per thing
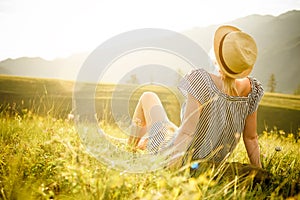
(272, 83)
(297, 91)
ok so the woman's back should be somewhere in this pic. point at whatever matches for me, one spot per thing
(222, 117)
(243, 85)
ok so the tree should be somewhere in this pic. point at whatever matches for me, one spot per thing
(133, 79)
(272, 83)
(297, 91)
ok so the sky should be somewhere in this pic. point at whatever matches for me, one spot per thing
(59, 28)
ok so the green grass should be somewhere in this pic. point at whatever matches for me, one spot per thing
(43, 158)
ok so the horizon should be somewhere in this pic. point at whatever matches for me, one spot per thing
(87, 52)
(30, 29)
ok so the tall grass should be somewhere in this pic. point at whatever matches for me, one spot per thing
(43, 158)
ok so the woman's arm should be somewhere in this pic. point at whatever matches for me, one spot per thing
(251, 139)
(188, 126)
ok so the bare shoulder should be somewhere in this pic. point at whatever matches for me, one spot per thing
(217, 80)
(243, 86)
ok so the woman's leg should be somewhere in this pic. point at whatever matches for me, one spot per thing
(148, 111)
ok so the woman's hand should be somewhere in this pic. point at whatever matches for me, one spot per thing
(143, 144)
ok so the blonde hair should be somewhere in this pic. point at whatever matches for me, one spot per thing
(229, 86)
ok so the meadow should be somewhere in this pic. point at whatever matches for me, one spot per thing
(42, 156)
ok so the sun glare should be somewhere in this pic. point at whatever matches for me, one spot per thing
(51, 29)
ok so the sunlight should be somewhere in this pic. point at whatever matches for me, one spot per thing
(51, 29)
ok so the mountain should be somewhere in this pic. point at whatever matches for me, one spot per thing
(278, 41)
(61, 68)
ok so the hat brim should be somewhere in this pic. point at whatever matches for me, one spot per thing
(219, 35)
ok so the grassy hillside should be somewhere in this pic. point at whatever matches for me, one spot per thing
(278, 100)
(43, 158)
(54, 97)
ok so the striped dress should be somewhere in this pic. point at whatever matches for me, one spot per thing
(221, 121)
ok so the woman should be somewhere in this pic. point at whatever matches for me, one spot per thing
(218, 110)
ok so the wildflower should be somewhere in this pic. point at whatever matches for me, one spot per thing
(264, 155)
(278, 148)
(70, 116)
(194, 165)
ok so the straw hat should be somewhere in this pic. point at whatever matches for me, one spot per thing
(235, 51)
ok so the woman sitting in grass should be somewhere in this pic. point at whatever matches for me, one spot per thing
(218, 109)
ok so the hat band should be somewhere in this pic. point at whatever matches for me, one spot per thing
(222, 58)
